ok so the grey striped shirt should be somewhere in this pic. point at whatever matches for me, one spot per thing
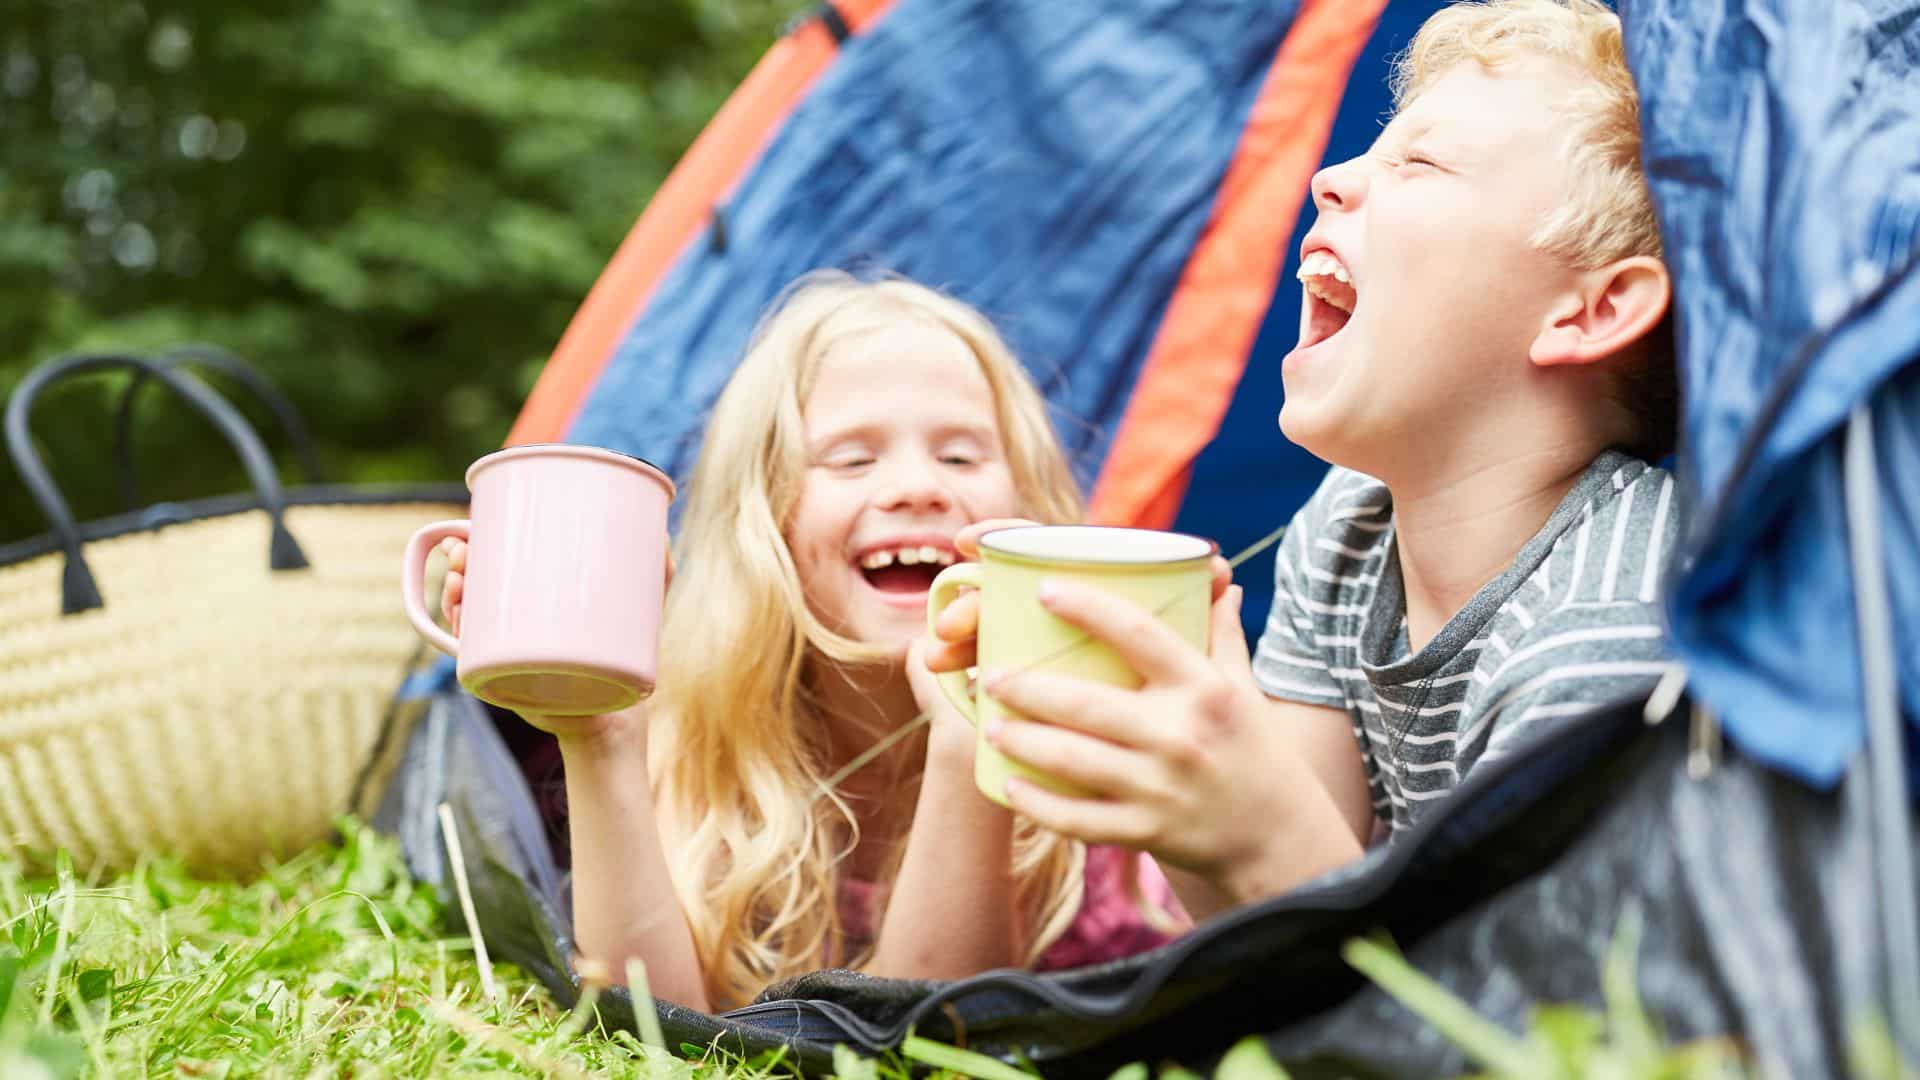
(1571, 624)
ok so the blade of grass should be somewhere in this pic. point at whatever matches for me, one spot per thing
(1633, 1033)
(1481, 1039)
(965, 1062)
(1249, 1060)
(51, 990)
(451, 836)
(644, 1012)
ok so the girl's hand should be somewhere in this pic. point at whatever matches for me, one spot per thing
(950, 736)
(610, 727)
(454, 589)
(952, 647)
(621, 730)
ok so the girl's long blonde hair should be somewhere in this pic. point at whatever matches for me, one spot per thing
(737, 745)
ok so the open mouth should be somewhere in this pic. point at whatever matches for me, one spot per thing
(1330, 297)
(904, 569)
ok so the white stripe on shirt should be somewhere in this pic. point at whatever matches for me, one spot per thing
(1611, 576)
(1651, 576)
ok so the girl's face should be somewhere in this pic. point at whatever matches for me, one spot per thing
(903, 450)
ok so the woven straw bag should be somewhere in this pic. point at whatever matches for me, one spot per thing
(208, 679)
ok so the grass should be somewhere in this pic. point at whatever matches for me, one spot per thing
(332, 964)
(336, 964)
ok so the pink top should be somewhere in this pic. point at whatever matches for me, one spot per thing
(1108, 927)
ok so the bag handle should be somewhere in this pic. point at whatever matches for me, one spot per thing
(78, 591)
(221, 360)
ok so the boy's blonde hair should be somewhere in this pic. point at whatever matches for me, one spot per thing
(1609, 212)
(737, 745)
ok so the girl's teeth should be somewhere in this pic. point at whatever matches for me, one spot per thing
(908, 556)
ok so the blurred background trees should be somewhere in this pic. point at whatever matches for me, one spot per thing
(392, 207)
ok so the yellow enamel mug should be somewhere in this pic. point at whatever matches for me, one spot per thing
(1168, 574)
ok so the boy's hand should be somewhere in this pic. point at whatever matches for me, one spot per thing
(1190, 767)
(959, 625)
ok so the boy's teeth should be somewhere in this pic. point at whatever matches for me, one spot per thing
(877, 560)
(930, 555)
(908, 556)
(1328, 279)
(1323, 263)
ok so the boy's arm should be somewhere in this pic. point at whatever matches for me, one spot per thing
(1326, 740)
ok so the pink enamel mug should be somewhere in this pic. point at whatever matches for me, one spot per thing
(566, 573)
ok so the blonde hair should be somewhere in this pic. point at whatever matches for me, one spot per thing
(738, 745)
(1609, 212)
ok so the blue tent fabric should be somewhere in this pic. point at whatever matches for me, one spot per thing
(1052, 164)
(1782, 143)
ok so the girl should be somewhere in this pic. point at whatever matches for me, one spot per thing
(752, 821)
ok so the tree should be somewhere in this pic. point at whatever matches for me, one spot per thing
(391, 206)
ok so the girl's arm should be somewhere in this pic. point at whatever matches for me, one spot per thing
(951, 910)
(624, 905)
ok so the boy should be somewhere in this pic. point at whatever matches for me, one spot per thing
(1481, 357)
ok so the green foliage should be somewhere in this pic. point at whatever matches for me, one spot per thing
(334, 962)
(392, 206)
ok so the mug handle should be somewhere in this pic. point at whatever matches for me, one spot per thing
(413, 581)
(946, 588)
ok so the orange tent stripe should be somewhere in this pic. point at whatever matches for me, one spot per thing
(677, 214)
(1223, 293)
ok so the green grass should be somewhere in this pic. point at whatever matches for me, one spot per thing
(336, 964)
(332, 964)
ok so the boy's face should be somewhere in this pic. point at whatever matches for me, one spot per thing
(1431, 226)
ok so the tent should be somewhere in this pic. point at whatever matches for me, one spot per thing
(1119, 185)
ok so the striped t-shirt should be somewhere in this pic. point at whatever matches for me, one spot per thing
(1571, 624)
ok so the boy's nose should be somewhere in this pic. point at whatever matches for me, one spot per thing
(1339, 187)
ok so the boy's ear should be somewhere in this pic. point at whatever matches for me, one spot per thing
(1609, 310)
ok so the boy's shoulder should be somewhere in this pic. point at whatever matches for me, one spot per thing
(1338, 540)
(1607, 543)
(1583, 625)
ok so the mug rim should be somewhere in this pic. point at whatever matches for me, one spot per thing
(1211, 548)
(581, 450)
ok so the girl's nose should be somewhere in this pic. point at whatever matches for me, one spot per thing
(914, 485)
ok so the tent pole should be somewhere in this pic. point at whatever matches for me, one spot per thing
(1886, 749)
